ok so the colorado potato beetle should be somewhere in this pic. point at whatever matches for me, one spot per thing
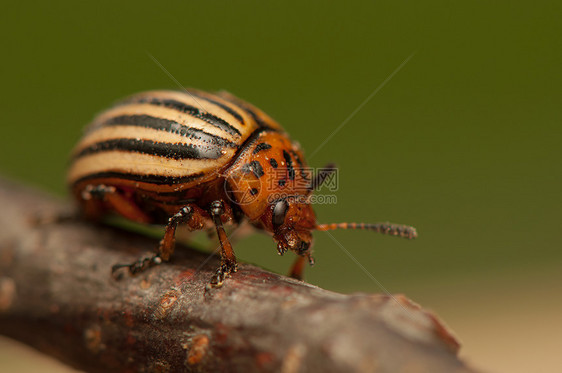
(203, 160)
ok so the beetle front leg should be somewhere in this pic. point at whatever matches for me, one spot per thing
(297, 270)
(228, 259)
(166, 247)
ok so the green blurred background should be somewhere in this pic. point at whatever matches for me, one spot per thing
(464, 142)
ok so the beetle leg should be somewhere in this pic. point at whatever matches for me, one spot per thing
(228, 259)
(297, 270)
(166, 247)
(109, 195)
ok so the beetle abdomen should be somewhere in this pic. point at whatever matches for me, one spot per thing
(164, 140)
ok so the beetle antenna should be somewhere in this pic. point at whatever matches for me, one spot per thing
(405, 231)
(321, 176)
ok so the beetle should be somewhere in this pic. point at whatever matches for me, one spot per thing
(202, 160)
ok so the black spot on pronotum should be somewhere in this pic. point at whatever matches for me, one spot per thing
(289, 162)
(304, 174)
(261, 146)
(253, 167)
(299, 160)
(273, 162)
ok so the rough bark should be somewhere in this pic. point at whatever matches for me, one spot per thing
(56, 294)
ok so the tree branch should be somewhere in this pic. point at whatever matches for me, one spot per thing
(56, 294)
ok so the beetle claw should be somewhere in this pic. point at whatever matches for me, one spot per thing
(139, 266)
(281, 249)
(223, 272)
(311, 260)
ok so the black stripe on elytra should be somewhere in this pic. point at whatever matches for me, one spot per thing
(273, 162)
(161, 149)
(261, 146)
(246, 107)
(226, 108)
(249, 142)
(150, 179)
(253, 167)
(254, 115)
(162, 124)
(190, 110)
(289, 162)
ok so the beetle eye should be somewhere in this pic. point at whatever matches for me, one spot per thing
(279, 212)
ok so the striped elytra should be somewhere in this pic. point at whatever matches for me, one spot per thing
(201, 160)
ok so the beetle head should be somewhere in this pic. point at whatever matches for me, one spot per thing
(291, 220)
